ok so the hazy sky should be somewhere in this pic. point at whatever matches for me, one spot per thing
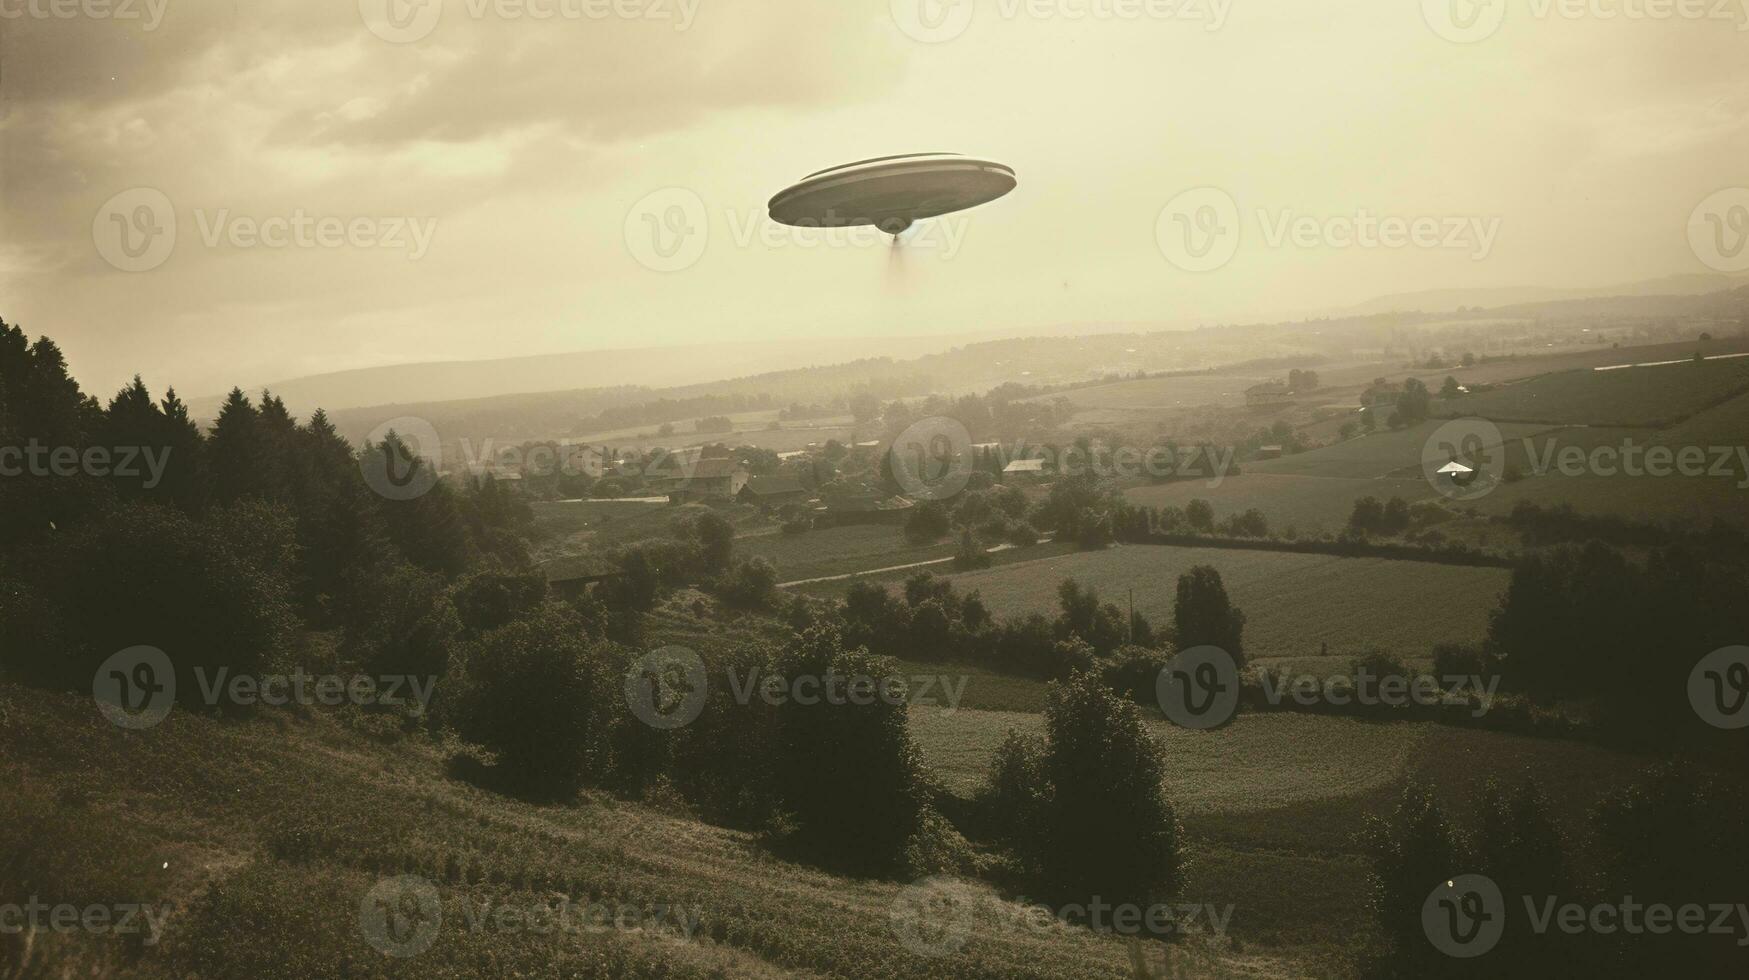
(492, 169)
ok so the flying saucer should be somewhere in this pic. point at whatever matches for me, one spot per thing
(891, 193)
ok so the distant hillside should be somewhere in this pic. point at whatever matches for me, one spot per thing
(1447, 300)
(645, 367)
(829, 375)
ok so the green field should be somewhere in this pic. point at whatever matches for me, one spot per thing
(1633, 397)
(1165, 394)
(1307, 504)
(1272, 805)
(1259, 762)
(1393, 454)
(751, 429)
(1722, 425)
(1294, 604)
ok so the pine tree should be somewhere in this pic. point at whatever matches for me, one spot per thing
(233, 450)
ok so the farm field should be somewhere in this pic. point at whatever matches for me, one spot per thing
(1294, 604)
(1272, 804)
(1689, 500)
(1721, 425)
(1308, 504)
(1641, 396)
(1379, 454)
(1164, 394)
(1529, 365)
(1259, 762)
(984, 689)
(751, 429)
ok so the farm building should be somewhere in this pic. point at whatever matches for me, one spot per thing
(714, 478)
(772, 491)
(572, 576)
(1023, 470)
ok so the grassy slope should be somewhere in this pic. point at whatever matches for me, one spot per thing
(274, 830)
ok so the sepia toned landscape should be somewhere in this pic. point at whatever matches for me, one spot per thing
(568, 489)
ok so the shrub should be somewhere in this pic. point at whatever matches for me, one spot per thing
(1108, 829)
(524, 691)
(714, 539)
(1251, 524)
(1199, 516)
(1204, 616)
(847, 772)
(970, 556)
(1675, 836)
(751, 584)
(412, 625)
(1093, 530)
(1524, 851)
(488, 600)
(1459, 660)
(1412, 850)
(1010, 805)
(1133, 672)
(927, 522)
(147, 575)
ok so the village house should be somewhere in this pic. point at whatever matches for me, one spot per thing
(572, 576)
(709, 478)
(772, 491)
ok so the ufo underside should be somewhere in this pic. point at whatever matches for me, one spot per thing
(891, 192)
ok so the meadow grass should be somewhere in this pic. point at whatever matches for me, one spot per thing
(265, 836)
(1294, 604)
